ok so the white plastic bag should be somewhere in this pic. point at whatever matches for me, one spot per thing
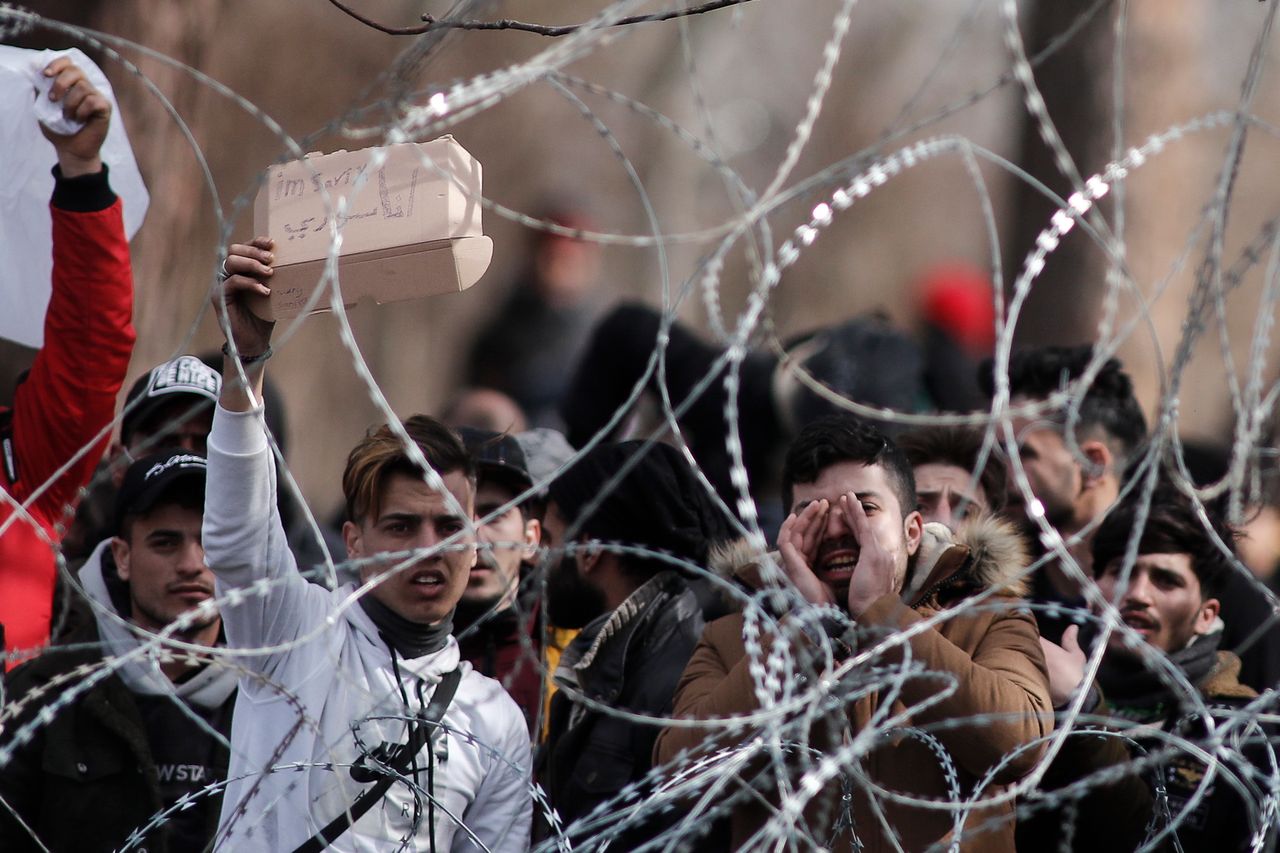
(26, 158)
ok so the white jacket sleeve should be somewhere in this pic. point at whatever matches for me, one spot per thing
(502, 812)
(266, 603)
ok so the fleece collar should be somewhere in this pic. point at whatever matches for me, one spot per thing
(596, 660)
(987, 553)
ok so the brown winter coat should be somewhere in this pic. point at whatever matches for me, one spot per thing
(993, 652)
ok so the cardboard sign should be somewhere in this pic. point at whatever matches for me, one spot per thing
(410, 226)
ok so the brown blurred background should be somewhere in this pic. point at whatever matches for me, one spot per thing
(303, 63)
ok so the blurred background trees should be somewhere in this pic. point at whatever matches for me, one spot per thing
(738, 79)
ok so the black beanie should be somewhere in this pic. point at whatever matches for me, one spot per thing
(658, 505)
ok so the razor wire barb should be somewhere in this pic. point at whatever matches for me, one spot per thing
(764, 759)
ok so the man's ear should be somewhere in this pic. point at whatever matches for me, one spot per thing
(590, 559)
(120, 553)
(1206, 617)
(353, 538)
(532, 539)
(913, 532)
(1099, 461)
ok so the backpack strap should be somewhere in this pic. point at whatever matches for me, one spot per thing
(423, 732)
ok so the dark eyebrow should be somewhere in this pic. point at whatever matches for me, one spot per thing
(956, 494)
(400, 516)
(165, 532)
(1167, 574)
(446, 516)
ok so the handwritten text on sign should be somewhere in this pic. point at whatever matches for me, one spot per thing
(391, 203)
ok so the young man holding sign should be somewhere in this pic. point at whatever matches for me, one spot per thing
(360, 728)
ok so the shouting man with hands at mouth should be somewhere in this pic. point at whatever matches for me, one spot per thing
(976, 682)
(359, 727)
(844, 550)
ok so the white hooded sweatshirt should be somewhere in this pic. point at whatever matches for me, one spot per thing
(321, 691)
(208, 688)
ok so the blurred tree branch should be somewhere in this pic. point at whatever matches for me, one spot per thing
(431, 24)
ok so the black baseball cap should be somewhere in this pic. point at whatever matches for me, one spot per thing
(185, 375)
(152, 476)
(498, 456)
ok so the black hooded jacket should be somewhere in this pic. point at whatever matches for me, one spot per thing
(87, 777)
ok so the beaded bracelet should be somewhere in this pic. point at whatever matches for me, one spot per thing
(247, 360)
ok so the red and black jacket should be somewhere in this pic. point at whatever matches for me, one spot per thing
(62, 408)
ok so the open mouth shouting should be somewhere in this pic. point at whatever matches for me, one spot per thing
(836, 560)
(428, 583)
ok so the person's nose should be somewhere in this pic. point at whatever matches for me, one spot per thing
(191, 559)
(837, 525)
(1138, 595)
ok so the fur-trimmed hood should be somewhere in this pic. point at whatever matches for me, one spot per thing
(986, 553)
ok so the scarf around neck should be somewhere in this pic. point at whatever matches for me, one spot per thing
(409, 639)
(1134, 686)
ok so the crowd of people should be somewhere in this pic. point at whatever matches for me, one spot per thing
(578, 639)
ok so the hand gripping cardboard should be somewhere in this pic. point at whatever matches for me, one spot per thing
(410, 226)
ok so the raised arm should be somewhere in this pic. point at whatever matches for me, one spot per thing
(244, 540)
(69, 396)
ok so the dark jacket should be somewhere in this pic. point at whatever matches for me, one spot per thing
(991, 725)
(529, 350)
(507, 647)
(1226, 818)
(86, 779)
(1118, 816)
(632, 660)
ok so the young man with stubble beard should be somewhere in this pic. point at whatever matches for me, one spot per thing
(362, 728)
(628, 526)
(974, 681)
(499, 627)
(1075, 472)
(118, 750)
(1169, 690)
